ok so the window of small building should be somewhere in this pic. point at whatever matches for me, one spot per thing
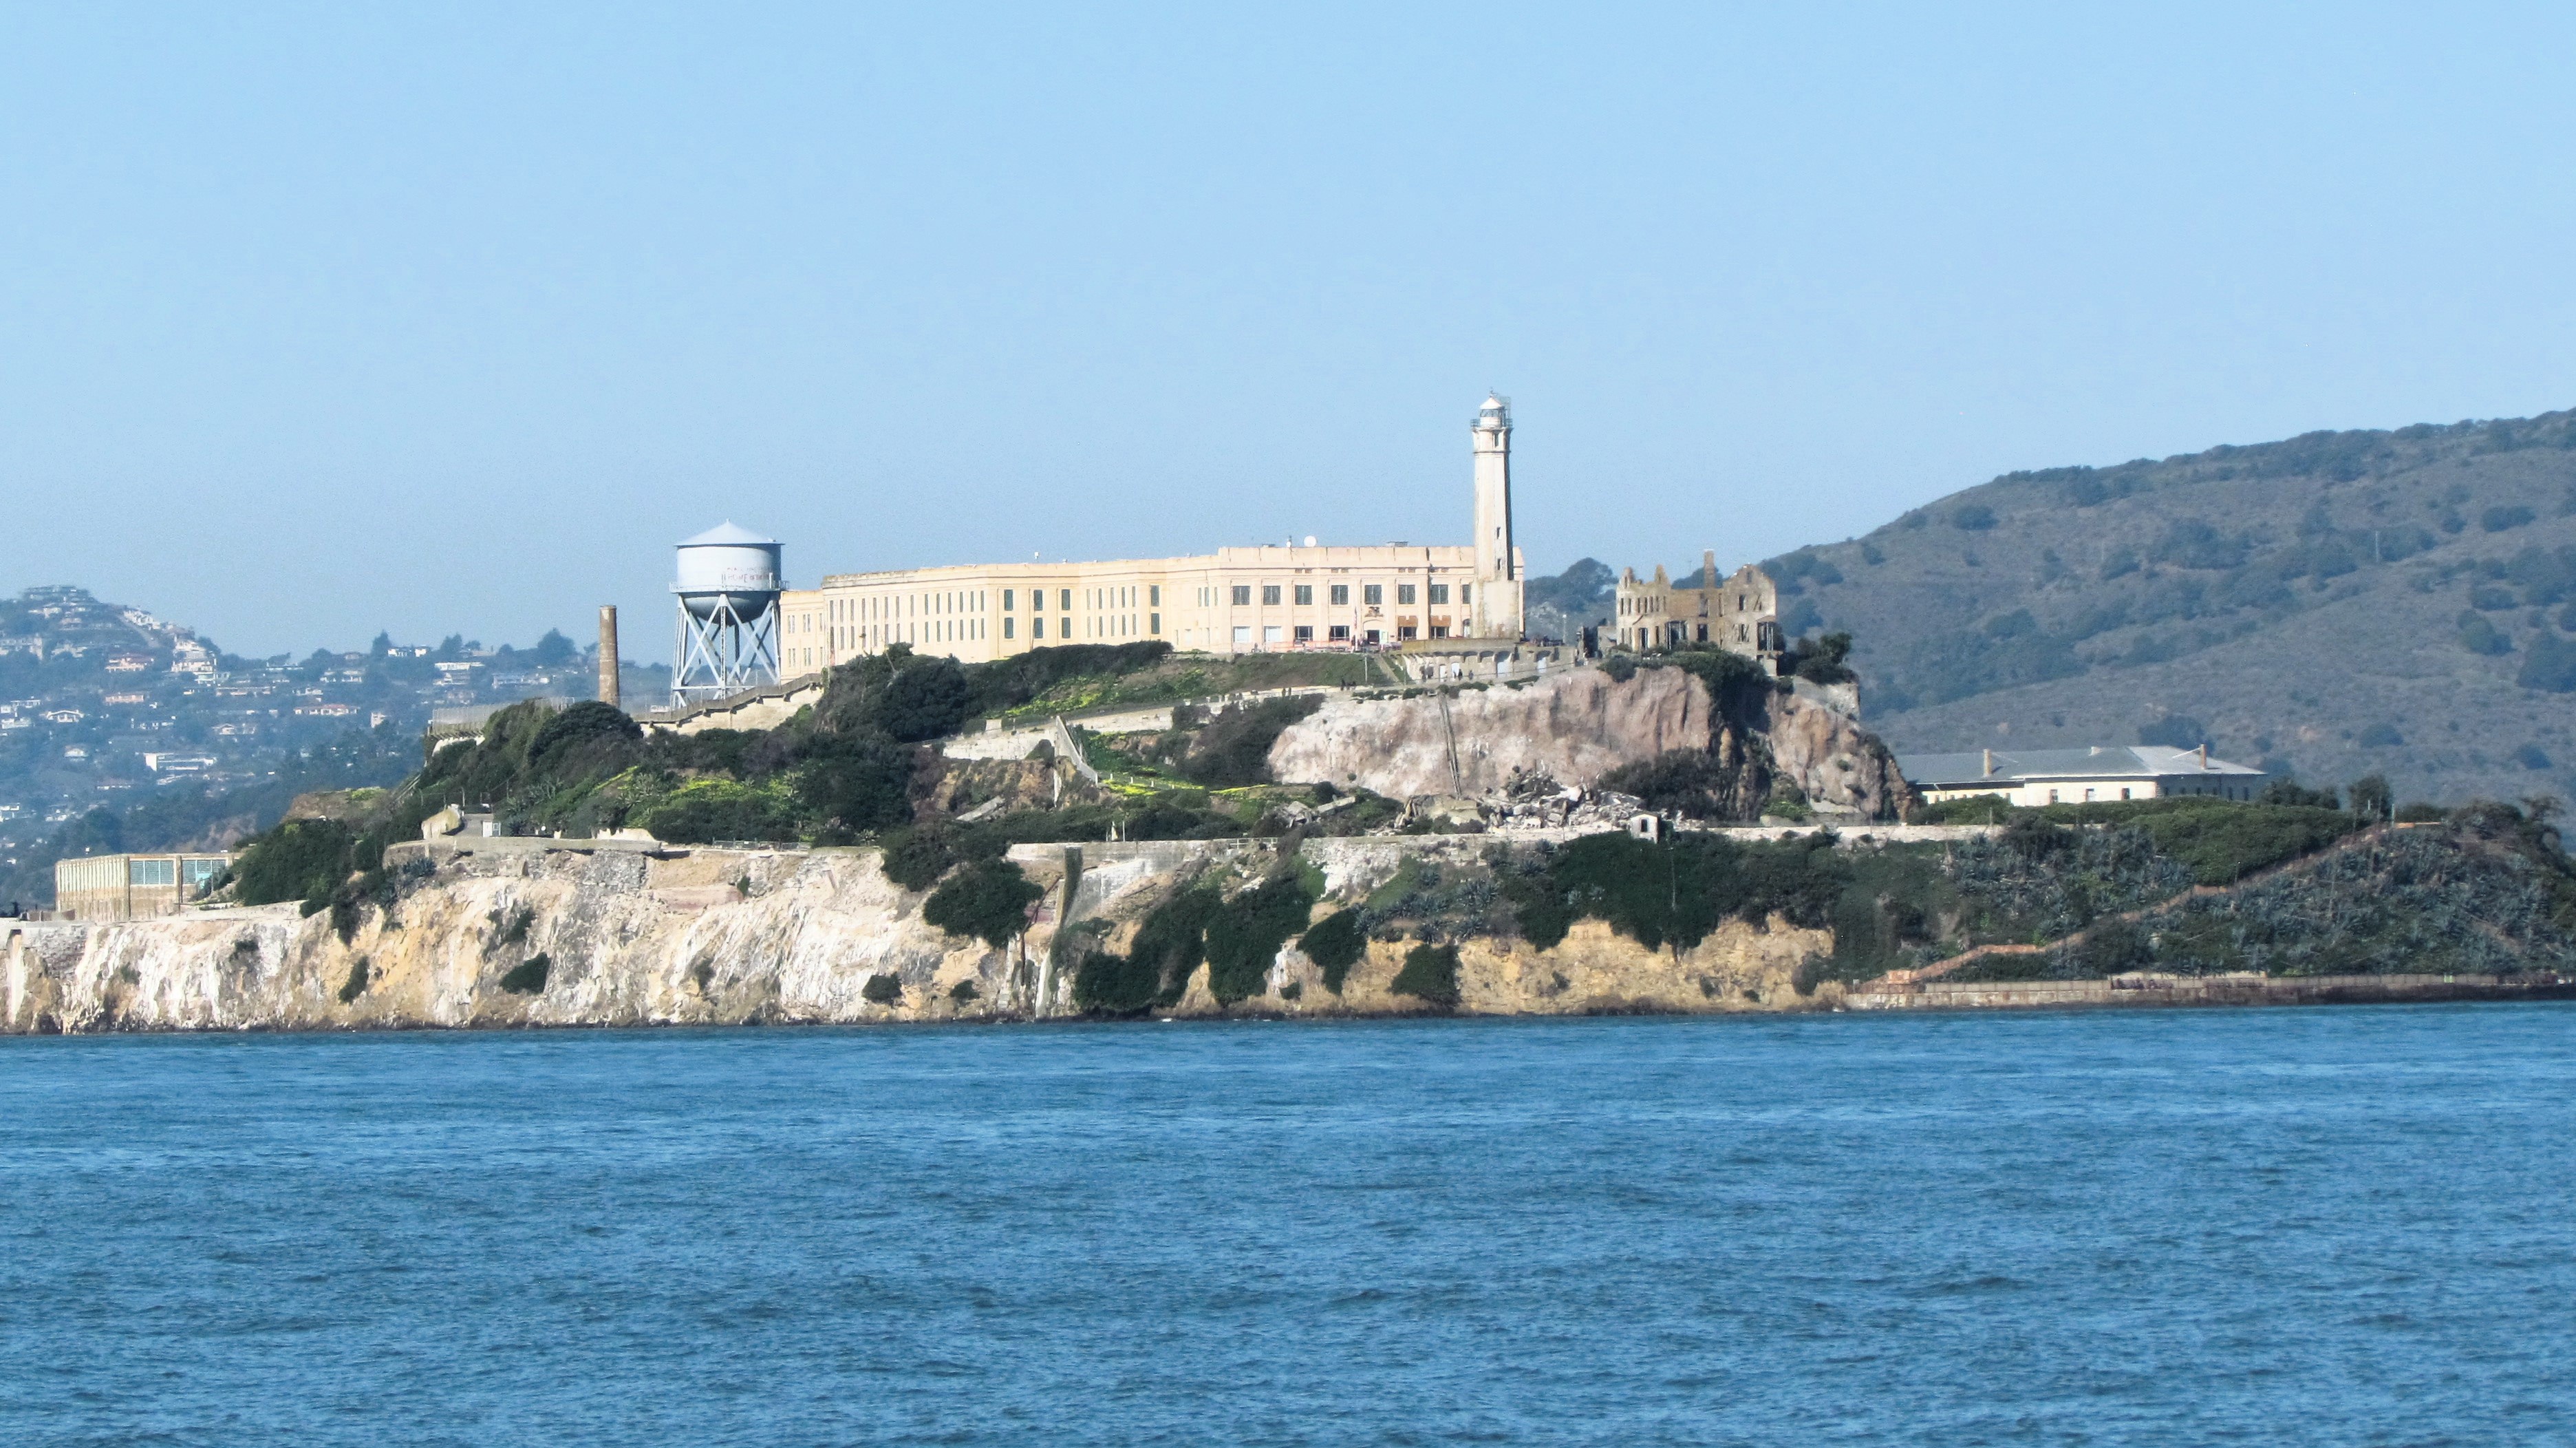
(1243, 595)
(1341, 593)
(1372, 637)
(1440, 593)
(1243, 635)
(1440, 630)
(1305, 593)
(1305, 633)
(152, 872)
(1404, 631)
(1372, 593)
(1270, 633)
(1270, 593)
(1404, 593)
(1339, 633)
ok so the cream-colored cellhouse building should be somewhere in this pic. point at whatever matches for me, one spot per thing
(1235, 600)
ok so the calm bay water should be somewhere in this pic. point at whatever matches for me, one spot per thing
(2313, 1226)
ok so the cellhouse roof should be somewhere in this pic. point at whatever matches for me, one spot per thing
(2101, 761)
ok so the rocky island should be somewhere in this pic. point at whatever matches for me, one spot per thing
(1119, 831)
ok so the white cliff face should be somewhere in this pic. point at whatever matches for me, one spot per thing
(628, 941)
(720, 936)
(1573, 728)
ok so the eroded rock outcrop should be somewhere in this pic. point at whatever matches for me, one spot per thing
(1578, 727)
(1573, 728)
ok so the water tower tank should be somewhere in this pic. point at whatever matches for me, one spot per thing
(727, 567)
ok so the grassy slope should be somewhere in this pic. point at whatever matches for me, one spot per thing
(2274, 645)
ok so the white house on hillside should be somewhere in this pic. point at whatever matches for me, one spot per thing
(2032, 777)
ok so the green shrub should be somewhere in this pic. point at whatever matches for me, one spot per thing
(1234, 749)
(356, 985)
(707, 810)
(2549, 665)
(1116, 985)
(529, 976)
(856, 781)
(1244, 937)
(915, 858)
(1975, 809)
(1335, 943)
(988, 900)
(883, 990)
(1430, 975)
(298, 860)
(1675, 891)
(1169, 944)
(2481, 637)
(1688, 782)
(2420, 812)
(963, 992)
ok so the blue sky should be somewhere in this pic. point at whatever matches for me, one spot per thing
(319, 320)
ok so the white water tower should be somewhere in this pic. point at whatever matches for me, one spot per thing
(727, 586)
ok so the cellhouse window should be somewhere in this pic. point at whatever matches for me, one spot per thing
(1064, 600)
(1008, 625)
(1305, 633)
(1340, 633)
(1372, 593)
(1270, 593)
(1440, 593)
(1341, 593)
(1463, 590)
(1154, 621)
(1242, 595)
(1037, 628)
(1404, 593)
(1007, 603)
(1154, 595)
(1305, 593)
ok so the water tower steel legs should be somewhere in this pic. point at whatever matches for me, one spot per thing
(722, 655)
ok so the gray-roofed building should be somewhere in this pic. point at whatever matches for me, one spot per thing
(2033, 777)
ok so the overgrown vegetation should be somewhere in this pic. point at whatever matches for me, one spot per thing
(988, 900)
(1675, 892)
(2488, 890)
(1335, 943)
(1430, 975)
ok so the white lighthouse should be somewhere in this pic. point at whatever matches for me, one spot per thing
(1497, 609)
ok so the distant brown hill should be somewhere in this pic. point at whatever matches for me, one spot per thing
(2337, 604)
